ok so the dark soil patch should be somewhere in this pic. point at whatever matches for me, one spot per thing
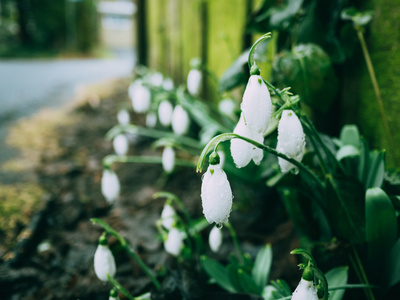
(54, 260)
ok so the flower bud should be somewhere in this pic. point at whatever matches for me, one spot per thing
(215, 239)
(180, 120)
(243, 152)
(156, 79)
(123, 117)
(168, 84)
(256, 104)
(174, 243)
(168, 159)
(168, 216)
(165, 113)
(216, 195)
(291, 140)
(140, 96)
(194, 80)
(121, 144)
(151, 120)
(104, 262)
(110, 186)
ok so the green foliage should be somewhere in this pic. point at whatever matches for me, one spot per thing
(337, 277)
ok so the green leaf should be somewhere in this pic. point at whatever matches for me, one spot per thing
(376, 169)
(358, 18)
(349, 135)
(237, 74)
(394, 265)
(247, 283)
(345, 208)
(347, 151)
(380, 223)
(337, 277)
(262, 266)
(281, 17)
(218, 272)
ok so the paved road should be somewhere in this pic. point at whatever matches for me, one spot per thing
(26, 86)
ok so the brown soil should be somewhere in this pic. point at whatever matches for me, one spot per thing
(67, 167)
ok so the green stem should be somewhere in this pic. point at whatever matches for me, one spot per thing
(235, 241)
(177, 200)
(375, 85)
(263, 37)
(128, 249)
(113, 158)
(355, 259)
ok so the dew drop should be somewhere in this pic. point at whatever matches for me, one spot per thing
(219, 226)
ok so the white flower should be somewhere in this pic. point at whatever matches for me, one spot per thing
(216, 195)
(165, 113)
(305, 291)
(140, 96)
(168, 216)
(180, 120)
(291, 140)
(174, 243)
(243, 152)
(194, 80)
(227, 106)
(256, 104)
(104, 263)
(168, 84)
(151, 120)
(110, 186)
(168, 159)
(121, 144)
(215, 239)
(156, 79)
(123, 117)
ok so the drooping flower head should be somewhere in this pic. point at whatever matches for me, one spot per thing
(168, 215)
(110, 186)
(215, 239)
(121, 144)
(306, 290)
(140, 96)
(123, 117)
(216, 194)
(180, 120)
(256, 104)
(291, 140)
(174, 242)
(168, 159)
(151, 120)
(243, 152)
(104, 262)
(165, 110)
(195, 78)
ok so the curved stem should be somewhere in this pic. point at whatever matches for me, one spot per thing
(355, 260)
(262, 38)
(235, 241)
(112, 158)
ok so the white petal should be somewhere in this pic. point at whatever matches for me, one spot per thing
(121, 144)
(227, 106)
(110, 186)
(151, 120)
(194, 81)
(156, 79)
(180, 120)
(123, 117)
(168, 84)
(168, 216)
(216, 195)
(215, 239)
(165, 113)
(140, 96)
(173, 244)
(104, 263)
(305, 291)
(256, 105)
(243, 152)
(168, 159)
(291, 139)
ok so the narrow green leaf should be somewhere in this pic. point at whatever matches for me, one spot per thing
(337, 277)
(349, 135)
(247, 283)
(376, 171)
(381, 223)
(218, 272)
(347, 151)
(394, 265)
(262, 266)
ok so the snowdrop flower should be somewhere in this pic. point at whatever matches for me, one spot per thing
(140, 96)
(216, 194)
(113, 295)
(121, 144)
(168, 159)
(227, 107)
(305, 291)
(256, 104)
(180, 120)
(243, 152)
(168, 84)
(174, 243)
(168, 216)
(194, 79)
(156, 79)
(151, 120)
(104, 262)
(291, 140)
(110, 186)
(165, 113)
(215, 239)
(123, 117)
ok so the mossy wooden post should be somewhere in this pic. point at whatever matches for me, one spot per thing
(174, 25)
(383, 43)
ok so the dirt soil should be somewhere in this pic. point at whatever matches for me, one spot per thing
(51, 256)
